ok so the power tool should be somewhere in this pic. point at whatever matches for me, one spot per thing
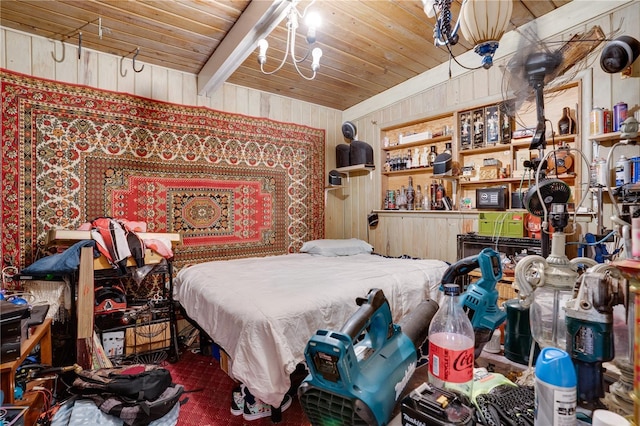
(357, 374)
(480, 299)
(589, 321)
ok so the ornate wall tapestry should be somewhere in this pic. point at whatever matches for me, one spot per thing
(232, 185)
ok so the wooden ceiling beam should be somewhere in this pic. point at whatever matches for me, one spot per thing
(256, 22)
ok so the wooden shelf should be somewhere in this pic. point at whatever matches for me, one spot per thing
(510, 180)
(40, 336)
(446, 138)
(356, 168)
(408, 171)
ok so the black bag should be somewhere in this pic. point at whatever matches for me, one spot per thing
(138, 394)
(140, 382)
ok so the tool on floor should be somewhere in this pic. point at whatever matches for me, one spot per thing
(357, 374)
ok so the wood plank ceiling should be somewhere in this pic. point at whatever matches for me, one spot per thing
(368, 45)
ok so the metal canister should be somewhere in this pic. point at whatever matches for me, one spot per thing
(619, 115)
(596, 121)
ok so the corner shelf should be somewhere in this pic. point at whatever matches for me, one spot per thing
(356, 168)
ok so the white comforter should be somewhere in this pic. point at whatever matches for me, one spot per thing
(263, 311)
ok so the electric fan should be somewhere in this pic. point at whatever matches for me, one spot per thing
(552, 191)
(546, 283)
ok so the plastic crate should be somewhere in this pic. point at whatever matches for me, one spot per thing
(501, 224)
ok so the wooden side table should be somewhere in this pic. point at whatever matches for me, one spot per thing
(41, 335)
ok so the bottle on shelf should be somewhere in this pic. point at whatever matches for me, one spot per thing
(424, 157)
(447, 148)
(440, 194)
(623, 171)
(566, 124)
(410, 194)
(418, 200)
(433, 191)
(401, 199)
(432, 155)
(387, 163)
(408, 160)
(451, 345)
(415, 159)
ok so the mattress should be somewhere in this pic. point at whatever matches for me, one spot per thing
(262, 311)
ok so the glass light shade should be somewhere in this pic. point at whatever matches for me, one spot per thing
(485, 20)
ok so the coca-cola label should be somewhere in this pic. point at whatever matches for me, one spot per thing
(451, 365)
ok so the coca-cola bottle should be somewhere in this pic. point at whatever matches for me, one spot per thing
(451, 345)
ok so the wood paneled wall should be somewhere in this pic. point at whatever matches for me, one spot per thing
(434, 93)
(429, 94)
(32, 55)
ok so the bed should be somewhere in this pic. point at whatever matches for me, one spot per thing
(262, 311)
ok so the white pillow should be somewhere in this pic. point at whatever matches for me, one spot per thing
(328, 247)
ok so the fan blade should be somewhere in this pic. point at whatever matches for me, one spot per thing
(575, 50)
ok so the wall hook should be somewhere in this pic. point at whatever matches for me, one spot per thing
(79, 44)
(123, 72)
(53, 52)
(134, 61)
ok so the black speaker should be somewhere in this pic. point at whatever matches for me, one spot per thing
(342, 155)
(619, 54)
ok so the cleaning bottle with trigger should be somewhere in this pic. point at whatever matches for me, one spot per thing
(451, 345)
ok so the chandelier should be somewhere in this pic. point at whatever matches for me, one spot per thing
(483, 22)
(312, 21)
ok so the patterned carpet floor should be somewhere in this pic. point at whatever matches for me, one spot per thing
(210, 395)
(209, 391)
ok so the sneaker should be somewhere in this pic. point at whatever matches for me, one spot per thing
(237, 401)
(260, 409)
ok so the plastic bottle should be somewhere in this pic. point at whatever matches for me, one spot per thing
(451, 343)
(623, 171)
(555, 389)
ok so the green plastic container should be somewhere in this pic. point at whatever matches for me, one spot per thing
(501, 224)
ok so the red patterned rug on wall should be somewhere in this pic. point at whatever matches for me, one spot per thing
(231, 185)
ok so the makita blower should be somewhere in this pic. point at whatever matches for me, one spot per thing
(357, 374)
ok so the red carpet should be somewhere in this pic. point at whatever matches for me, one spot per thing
(210, 405)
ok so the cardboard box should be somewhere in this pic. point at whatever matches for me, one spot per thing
(489, 172)
(113, 343)
(147, 338)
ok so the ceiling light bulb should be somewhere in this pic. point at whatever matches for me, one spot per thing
(316, 54)
(263, 45)
(313, 20)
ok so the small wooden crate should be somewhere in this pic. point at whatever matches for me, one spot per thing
(489, 172)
